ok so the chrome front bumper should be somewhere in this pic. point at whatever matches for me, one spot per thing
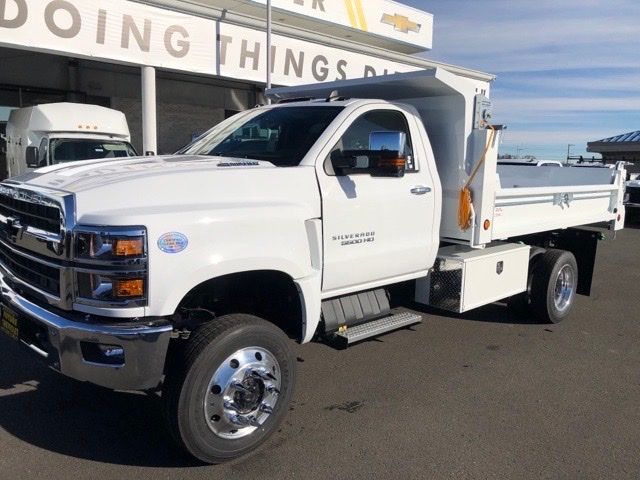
(120, 357)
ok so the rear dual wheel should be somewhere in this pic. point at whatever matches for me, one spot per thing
(553, 282)
(554, 285)
(231, 389)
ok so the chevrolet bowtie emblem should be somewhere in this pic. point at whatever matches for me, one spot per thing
(401, 23)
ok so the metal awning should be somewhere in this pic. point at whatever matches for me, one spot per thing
(383, 23)
(626, 142)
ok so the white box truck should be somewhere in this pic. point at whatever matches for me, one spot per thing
(56, 133)
(297, 220)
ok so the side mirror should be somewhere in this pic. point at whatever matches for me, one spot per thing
(387, 163)
(32, 157)
(387, 154)
(343, 162)
(388, 141)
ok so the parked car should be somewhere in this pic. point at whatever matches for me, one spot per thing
(532, 163)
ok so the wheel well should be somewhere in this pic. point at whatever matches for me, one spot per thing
(583, 244)
(268, 294)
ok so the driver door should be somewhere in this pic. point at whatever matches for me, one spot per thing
(376, 230)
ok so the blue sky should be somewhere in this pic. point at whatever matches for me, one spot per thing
(568, 70)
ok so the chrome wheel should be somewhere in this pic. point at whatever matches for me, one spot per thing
(564, 288)
(242, 393)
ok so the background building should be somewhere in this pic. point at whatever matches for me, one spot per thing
(624, 147)
(178, 67)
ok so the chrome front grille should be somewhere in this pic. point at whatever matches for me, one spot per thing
(23, 208)
(30, 270)
(35, 241)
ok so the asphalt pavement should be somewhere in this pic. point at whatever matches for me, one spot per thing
(482, 395)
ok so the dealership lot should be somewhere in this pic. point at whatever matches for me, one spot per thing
(486, 395)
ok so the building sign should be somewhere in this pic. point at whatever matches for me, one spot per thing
(115, 30)
(242, 52)
(132, 33)
(384, 18)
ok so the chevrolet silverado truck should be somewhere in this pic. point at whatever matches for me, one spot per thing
(194, 273)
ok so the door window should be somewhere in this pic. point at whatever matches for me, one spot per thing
(357, 137)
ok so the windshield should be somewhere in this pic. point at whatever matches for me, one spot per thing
(281, 136)
(72, 149)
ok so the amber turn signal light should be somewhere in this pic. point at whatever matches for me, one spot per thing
(392, 162)
(127, 288)
(128, 247)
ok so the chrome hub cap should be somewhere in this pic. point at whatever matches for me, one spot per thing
(242, 393)
(565, 284)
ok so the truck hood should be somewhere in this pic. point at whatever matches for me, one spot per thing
(75, 177)
(133, 191)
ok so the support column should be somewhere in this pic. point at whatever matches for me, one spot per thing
(269, 53)
(149, 122)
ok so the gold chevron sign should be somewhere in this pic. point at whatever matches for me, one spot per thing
(356, 14)
(401, 23)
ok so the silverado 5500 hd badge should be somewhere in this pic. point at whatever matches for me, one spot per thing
(355, 238)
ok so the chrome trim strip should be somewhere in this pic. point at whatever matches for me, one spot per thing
(29, 256)
(39, 351)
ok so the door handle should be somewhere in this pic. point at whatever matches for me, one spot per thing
(420, 190)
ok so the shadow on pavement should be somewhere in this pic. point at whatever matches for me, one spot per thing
(45, 409)
(493, 313)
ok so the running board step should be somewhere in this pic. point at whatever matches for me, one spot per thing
(375, 328)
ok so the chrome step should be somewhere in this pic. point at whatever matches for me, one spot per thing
(374, 328)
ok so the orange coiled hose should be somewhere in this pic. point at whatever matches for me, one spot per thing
(465, 201)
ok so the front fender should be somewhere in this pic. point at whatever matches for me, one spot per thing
(245, 240)
(168, 298)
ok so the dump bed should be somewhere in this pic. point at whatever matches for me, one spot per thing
(507, 200)
(547, 198)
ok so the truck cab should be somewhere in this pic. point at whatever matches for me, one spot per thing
(59, 148)
(64, 132)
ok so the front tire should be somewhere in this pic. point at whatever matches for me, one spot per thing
(554, 285)
(231, 388)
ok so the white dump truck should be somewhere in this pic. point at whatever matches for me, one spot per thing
(307, 219)
(55, 133)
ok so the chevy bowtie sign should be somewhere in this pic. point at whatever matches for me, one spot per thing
(131, 33)
(384, 18)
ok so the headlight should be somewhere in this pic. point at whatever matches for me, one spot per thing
(111, 288)
(110, 245)
(111, 266)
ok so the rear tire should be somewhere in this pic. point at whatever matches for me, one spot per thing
(230, 388)
(554, 285)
